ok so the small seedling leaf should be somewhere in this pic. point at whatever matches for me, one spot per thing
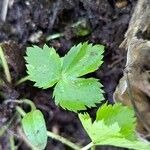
(34, 127)
(76, 94)
(111, 127)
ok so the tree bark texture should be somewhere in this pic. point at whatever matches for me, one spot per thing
(137, 44)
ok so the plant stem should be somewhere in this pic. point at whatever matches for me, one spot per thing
(12, 142)
(63, 140)
(26, 101)
(88, 146)
(29, 102)
(93, 147)
(5, 66)
(21, 111)
(22, 80)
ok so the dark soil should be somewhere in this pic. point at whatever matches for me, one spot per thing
(105, 22)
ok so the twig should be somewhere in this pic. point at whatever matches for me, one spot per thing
(4, 10)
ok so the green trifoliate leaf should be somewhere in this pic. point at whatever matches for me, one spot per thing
(110, 127)
(43, 66)
(34, 127)
(76, 94)
(82, 59)
(46, 68)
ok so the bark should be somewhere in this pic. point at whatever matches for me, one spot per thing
(137, 44)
